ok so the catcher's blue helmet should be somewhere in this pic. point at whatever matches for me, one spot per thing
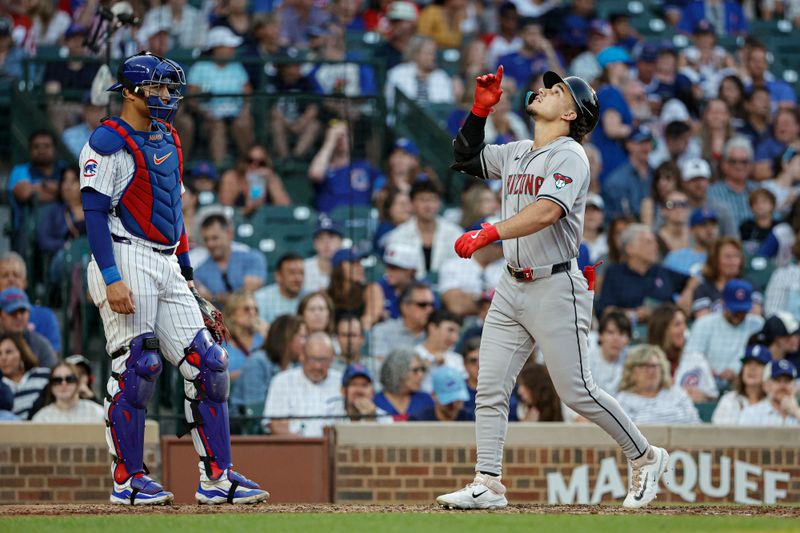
(148, 69)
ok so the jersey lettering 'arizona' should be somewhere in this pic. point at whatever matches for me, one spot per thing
(558, 172)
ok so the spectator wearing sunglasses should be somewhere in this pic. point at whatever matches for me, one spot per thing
(401, 377)
(252, 182)
(63, 403)
(416, 305)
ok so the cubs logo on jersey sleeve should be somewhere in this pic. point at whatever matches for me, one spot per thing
(90, 169)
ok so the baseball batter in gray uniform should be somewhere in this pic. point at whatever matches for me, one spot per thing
(544, 297)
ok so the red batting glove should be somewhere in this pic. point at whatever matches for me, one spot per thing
(474, 240)
(487, 93)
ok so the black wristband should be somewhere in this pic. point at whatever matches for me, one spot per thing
(187, 273)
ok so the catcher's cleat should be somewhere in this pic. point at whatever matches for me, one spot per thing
(485, 492)
(140, 490)
(230, 487)
(645, 473)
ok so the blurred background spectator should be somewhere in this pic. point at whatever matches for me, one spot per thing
(21, 372)
(63, 403)
(401, 379)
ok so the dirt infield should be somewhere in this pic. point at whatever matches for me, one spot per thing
(7, 511)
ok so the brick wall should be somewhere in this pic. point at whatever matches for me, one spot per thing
(414, 463)
(42, 463)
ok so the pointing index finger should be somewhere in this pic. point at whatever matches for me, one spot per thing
(499, 74)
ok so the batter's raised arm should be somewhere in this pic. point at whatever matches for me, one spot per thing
(468, 147)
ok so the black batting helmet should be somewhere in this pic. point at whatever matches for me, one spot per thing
(583, 94)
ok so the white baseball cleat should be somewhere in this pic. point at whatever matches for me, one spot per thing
(140, 490)
(645, 473)
(229, 487)
(485, 492)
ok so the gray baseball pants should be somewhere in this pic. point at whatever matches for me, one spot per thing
(556, 311)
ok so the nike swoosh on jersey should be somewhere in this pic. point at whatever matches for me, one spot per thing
(159, 160)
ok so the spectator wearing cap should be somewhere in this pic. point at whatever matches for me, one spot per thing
(11, 56)
(357, 403)
(431, 234)
(402, 17)
(726, 16)
(630, 182)
(66, 80)
(689, 260)
(224, 116)
(780, 335)
(449, 395)
(507, 39)
(755, 231)
(419, 78)
(632, 286)
(594, 236)
(784, 187)
(536, 55)
(327, 241)
(616, 118)
(441, 334)
(337, 178)
(187, 24)
(756, 64)
(674, 233)
(608, 357)
(735, 186)
(748, 389)
(785, 136)
(463, 281)
(298, 395)
(585, 64)
(646, 392)
(21, 372)
(85, 377)
(349, 340)
(722, 335)
(780, 407)
(15, 312)
(75, 137)
(14, 274)
(295, 122)
(416, 305)
(783, 289)
(758, 115)
(252, 182)
(383, 296)
(401, 377)
(348, 286)
(442, 22)
(227, 268)
(695, 179)
(283, 296)
(202, 180)
(646, 63)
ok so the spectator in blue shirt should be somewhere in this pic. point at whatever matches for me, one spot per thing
(785, 132)
(725, 15)
(227, 269)
(690, 260)
(401, 376)
(758, 114)
(449, 395)
(298, 18)
(735, 186)
(639, 281)
(757, 65)
(616, 118)
(338, 179)
(534, 57)
(75, 137)
(573, 24)
(626, 187)
(11, 67)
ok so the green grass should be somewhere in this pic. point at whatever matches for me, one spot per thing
(397, 522)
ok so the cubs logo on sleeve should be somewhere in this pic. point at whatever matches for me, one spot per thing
(561, 180)
(90, 169)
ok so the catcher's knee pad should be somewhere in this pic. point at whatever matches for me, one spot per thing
(205, 368)
(125, 408)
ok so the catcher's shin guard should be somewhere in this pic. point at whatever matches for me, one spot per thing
(206, 383)
(130, 387)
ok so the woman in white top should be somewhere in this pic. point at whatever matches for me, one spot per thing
(646, 391)
(748, 388)
(420, 78)
(63, 404)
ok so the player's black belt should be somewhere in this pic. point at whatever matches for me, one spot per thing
(125, 240)
(530, 273)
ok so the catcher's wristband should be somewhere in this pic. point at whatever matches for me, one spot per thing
(480, 111)
(187, 273)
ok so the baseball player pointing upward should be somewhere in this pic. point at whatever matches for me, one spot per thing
(542, 296)
(141, 280)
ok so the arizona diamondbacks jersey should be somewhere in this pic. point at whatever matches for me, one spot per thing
(558, 172)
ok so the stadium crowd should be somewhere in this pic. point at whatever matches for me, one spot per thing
(694, 208)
